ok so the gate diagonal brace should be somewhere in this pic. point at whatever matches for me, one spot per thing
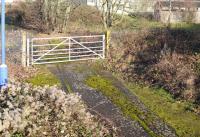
(86, 47)
(51, 50)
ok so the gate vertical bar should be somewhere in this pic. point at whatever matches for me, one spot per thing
(104, 45)
(28, 53)
(69, 49)
(32, 59)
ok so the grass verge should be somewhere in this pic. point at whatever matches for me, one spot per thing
(186, 123)
(121, 100)
(44, 77)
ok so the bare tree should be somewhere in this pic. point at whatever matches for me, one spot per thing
(48, 15)
(112, 12)
(170, 12)
(56, 13)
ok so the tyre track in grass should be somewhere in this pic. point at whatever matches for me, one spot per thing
(157, 125)
(97, 103)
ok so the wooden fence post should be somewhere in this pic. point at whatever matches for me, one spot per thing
(24, 49)
(108, 38)
(104, 46)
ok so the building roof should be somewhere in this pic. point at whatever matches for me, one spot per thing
(179, 3)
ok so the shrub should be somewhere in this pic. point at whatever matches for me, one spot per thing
(45, 111)
(86, 15)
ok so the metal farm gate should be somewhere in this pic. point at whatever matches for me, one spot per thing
(64, 49)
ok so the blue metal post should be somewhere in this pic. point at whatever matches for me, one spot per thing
(3, 66)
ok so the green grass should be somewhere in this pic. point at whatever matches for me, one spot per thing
(186, 26)
(130, 24)
(136, 23)
(58, 42)
(176, 113)
(44, 78)
(76, 26)
(186, 123)
(9, 27)
(17, 135)
(121, 100)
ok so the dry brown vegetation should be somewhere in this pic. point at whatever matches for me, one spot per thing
(164, 58)
(27, 16)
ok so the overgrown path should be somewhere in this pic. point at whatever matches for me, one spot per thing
(143, 123)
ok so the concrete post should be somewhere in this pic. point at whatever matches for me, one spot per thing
(24, 49)
(28, 53)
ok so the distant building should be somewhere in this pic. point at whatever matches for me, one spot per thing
(131, 5)
(93, 2)
(9, 1)
(13, 1)
(181, 11)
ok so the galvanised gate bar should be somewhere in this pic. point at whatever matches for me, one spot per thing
(64, 49)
